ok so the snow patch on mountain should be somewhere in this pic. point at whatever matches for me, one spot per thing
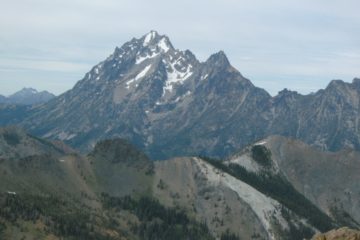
(182, 97)
(204, 77)
(140, 59)
(138, 76)
(150, 36)
(176, 100)
(143, 72)
(66, 136)
(176, 77)
(260, 143)
(164, 45)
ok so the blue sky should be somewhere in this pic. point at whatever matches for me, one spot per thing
(299, 45)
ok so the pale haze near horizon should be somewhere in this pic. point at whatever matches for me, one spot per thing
(299, 45)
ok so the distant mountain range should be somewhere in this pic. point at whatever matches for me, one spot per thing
(27, 96)
(47, 190)
(169, 104)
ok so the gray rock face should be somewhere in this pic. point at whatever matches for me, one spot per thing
(169, 104)
(27, 96)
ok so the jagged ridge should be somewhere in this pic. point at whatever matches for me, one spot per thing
(168, 103)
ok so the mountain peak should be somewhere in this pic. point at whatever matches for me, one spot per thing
(335, 85)
(27, 91)
(149, 37)
(151, 43)
(218, 59)
(154, 39)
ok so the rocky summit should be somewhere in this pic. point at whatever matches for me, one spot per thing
(168, 103)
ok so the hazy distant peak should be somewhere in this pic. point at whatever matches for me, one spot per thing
(28, 96)
(25, 91)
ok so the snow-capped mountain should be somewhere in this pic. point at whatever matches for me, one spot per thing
(27, 96)
(151, 93)
(170, 104)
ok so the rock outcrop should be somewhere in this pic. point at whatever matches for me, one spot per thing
(339, 234)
